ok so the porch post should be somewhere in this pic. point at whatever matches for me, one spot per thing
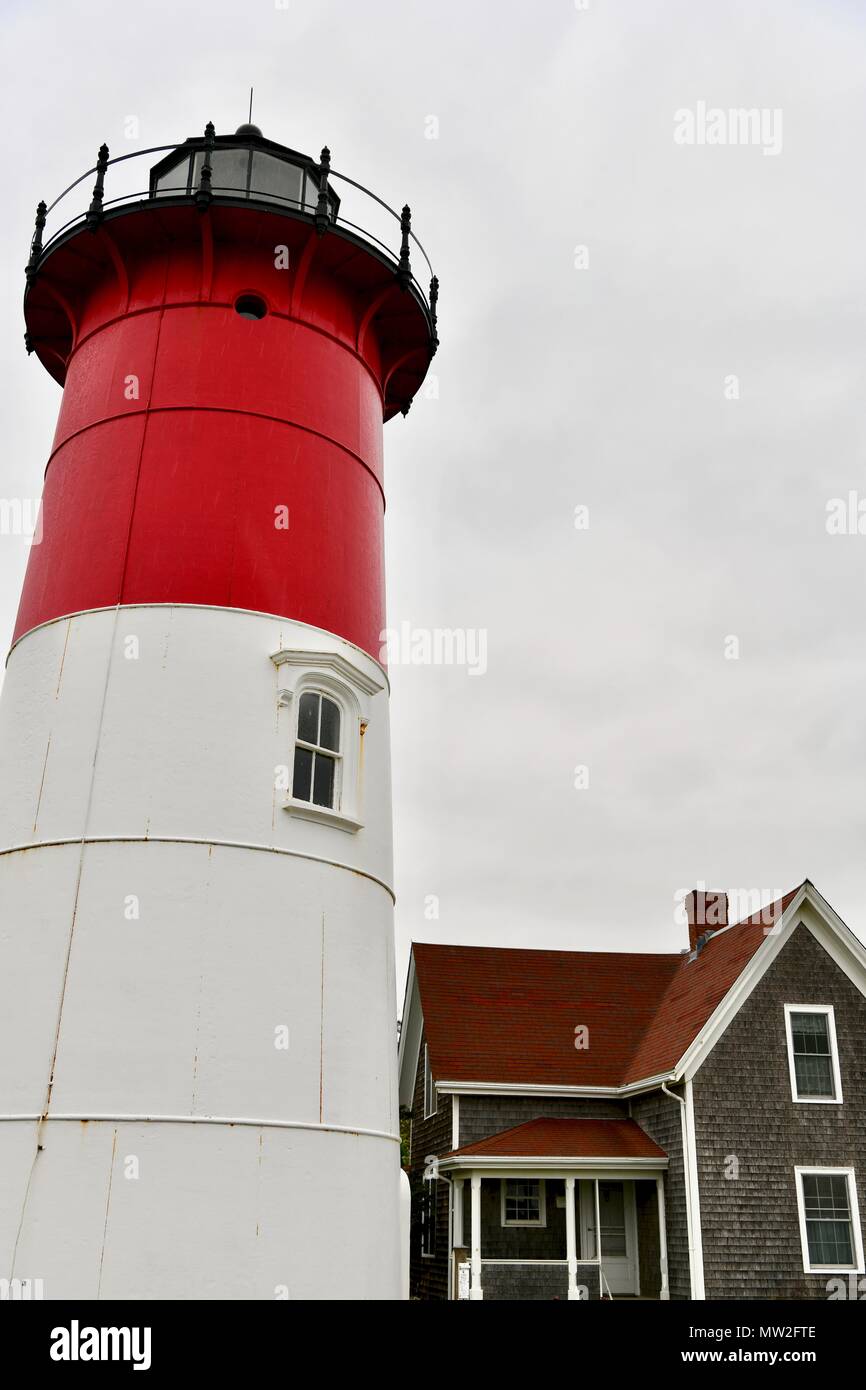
(475, 1290)
(598, 1241)
(663, 1239)
(457, 1236)
(570, 1239)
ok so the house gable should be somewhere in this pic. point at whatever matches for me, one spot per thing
(805, 908)
(751, 1134)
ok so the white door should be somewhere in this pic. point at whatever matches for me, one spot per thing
(618, 1232)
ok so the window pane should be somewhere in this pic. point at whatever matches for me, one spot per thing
(522, 1200)
(323, 781)
(175, 179)
(302, 775)
(229, 170)
(828, 1218)
(311, 194)
(811, 1033)
(330, 734)
(814, 1076)
(308, 718)
(813, 1066)
(275, 179)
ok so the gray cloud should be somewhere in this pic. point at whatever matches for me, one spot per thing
(560, 387)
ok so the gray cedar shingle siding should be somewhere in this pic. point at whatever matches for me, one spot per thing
(646, 1211)
(743, 1108)
(536, 1282)
(520, 1242)
(659, 1116)
(481, 1116)
(428, 1276)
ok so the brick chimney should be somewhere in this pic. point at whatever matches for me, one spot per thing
(707, 912)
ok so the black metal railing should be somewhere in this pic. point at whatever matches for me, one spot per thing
(317, 202)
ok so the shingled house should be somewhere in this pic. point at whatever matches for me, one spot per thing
(597, 1124)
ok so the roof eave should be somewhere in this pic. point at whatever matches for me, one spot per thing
(462, 1162)
(411, 1029)
(525, 1088)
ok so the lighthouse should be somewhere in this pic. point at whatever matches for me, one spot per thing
(198, 1090)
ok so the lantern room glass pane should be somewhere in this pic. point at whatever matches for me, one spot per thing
(275, 179)
(229, 170)
(311, 193)
(175, 179)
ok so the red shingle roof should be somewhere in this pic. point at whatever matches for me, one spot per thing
(501, 1015)
(568, 1139)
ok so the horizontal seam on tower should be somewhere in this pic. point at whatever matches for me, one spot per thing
(208, 608)
(225, 304)
(193, 840)
(86, 1118)
(214, 410)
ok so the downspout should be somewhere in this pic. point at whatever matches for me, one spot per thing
(690, 1173)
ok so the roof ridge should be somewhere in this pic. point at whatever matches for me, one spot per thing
(547, 950)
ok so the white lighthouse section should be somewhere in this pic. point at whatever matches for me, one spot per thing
(198, 987)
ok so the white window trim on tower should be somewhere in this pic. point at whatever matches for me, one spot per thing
(350, 688)
(829, 1011)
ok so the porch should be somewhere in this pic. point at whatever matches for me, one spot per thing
(583, 1220)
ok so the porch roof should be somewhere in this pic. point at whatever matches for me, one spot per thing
(575, 1140)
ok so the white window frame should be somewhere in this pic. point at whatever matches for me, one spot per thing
(353, 690)
(827, 1009)
(431, 1099)
(542, 1201)
(335, 754)
(814, 1170)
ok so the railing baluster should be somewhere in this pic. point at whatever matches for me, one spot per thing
(323, 206)
(434, 305)
(404, 271)
(36, 244)
(204, 194)
(95, 212)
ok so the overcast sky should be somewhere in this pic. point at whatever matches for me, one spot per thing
(694, 377)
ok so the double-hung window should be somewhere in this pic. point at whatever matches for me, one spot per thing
(523, 1202)
(813, 1056)
(316, 775)
(829, 1220)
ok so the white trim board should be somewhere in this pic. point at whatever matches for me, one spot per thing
(411, 1032)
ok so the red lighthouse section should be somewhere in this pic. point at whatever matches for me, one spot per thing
(228, 361)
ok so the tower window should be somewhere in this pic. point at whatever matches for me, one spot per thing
(317, 751)
(250, 306)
